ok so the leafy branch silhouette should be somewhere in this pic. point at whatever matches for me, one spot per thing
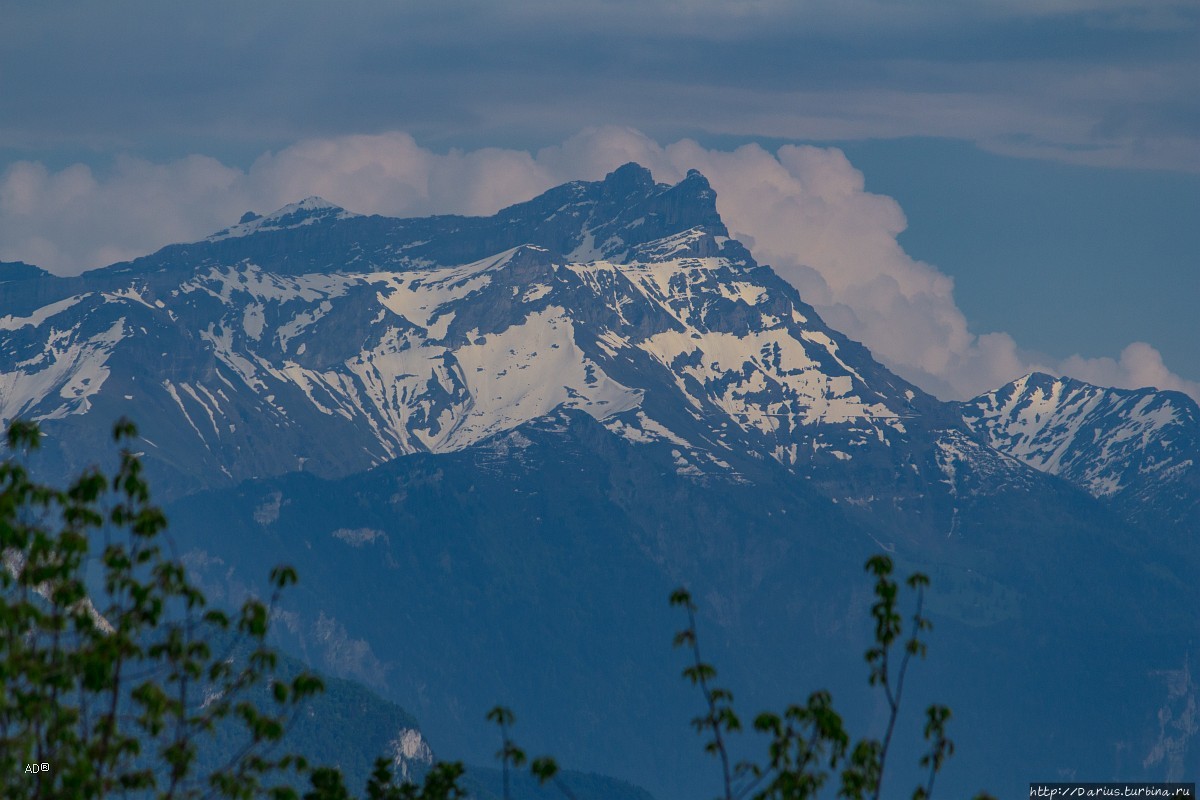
(117, 683)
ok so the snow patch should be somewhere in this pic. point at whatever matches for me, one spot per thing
(72, 368)
(358, 537)
(12, 323)
(309, 211)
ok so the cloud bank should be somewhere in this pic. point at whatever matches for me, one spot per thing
(1112, 82)
(803, 210)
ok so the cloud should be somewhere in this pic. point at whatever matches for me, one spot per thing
(70, 220)
(1138, 365)
(391, 174)
(1095, 81)
(804, 210)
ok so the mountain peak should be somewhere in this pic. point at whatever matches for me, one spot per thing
(312, 203)
(310, 210)
(615, 218)
(1035, 380)
(628, 179)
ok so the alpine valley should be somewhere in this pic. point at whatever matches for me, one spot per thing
(492, 446)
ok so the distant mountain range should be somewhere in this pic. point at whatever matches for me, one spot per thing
(492, 445)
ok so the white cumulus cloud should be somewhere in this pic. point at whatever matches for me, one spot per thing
(1138, 365)
(803, 210)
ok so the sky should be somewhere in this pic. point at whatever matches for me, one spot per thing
(973, 188)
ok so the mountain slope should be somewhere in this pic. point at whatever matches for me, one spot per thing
(533, 570)
(1137, 449)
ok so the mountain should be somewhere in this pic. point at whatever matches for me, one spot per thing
(1136, 449)
(320, 340)
(493, 445)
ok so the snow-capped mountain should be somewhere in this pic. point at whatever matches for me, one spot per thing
(317, 339)
(492, 445)
(1139, 449)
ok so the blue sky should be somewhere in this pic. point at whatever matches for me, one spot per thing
(1043, 155)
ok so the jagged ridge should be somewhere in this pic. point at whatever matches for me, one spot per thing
(623, 297)
(1135, 448)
